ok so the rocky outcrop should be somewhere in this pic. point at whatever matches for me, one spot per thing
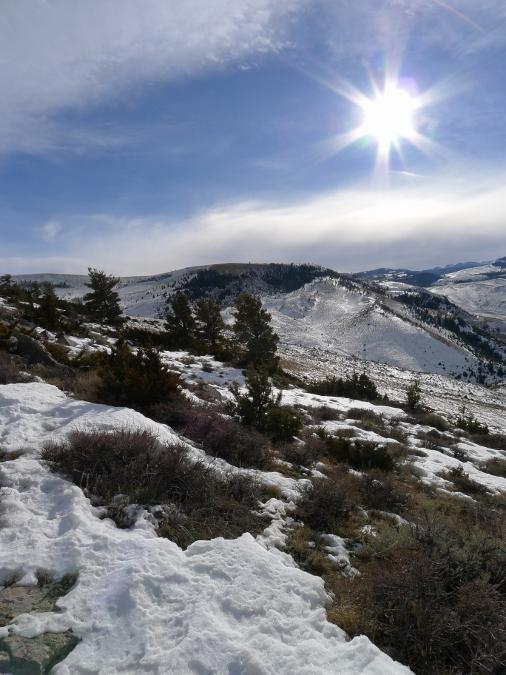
(33, 351)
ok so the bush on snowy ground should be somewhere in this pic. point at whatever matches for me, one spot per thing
(496, 466)
(468, 422)
(359, 454)
(136, 380)
(323, 505)
(382, 492)
(429, 419)
(359, 387)
(414, 396)
(131, 467)
(258, 407)
(226, 438)
(463, 482)
(431, 596)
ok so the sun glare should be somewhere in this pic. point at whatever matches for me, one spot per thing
(389, 116)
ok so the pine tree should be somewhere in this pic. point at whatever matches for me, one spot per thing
(102, 303)
(260, 407)
(136, 380)
(209, 321)
(414, 396)
(48, 313)
(180, 322)
(253, 406)
(254, 334)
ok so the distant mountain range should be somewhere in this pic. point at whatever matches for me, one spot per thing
(478, 288)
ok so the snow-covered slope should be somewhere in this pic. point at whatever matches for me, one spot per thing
(328, 315)
(145, 296)
(140, 603)
(479, 290)
(140, 296)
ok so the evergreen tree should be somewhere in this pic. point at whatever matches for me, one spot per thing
(48, 314)
(10, 289)
(254, 334)
(209, 321)
(102, 303)
(6, 284)
(259, 407)
(414, 396)
(180, 322)
(253, 406)
(136, 380)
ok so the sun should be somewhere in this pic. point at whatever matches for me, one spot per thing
(392, 116)
(389, 116)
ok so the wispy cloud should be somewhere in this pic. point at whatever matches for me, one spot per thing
(57, 55)
(49, 231)
(420, 224)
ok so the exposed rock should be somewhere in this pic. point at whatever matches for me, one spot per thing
(33, 351)
(34, 656)
(28, 656)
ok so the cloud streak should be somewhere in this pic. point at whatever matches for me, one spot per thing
(430, 222)
(57, 55)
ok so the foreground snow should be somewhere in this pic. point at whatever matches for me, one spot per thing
(141, 604)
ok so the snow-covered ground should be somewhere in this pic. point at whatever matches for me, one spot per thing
(445, 395)
(326, 315)
(140, 603)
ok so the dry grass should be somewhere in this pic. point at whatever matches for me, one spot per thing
(9, 371)
(224, 437)
(197, 502)
(431, 597)
(496, 466)
(463, 482)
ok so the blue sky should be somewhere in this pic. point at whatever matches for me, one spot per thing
(143, 137)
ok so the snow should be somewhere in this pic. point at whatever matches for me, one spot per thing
(141, 604)
(334, 427)
(299, 397)
(479, 290)
(338, 553)
(343, 321)
(436, 462)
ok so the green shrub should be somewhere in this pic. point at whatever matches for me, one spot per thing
(360, 455)
(260, 408)
(136, 380)
(281, 424)
(463, 482)
(357, 386)
(468, 422)
(414, 396)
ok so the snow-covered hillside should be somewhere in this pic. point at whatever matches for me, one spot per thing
(140, 603)
(479, 290)
(314, 308)
(328, 315)
(140, 296)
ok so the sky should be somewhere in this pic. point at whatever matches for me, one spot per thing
(141, 137)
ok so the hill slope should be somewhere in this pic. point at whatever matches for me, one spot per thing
(345, 319)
